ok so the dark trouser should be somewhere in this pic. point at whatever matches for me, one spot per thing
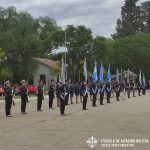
(94, 99)
(8, 104)
(39, 102)
(67, 99)
(62, 106)
(108, 97)
(23, 103)
(101, 98)
(84, 102)
(50, 102)
(139, 91)
(143, 91)
(117, 96)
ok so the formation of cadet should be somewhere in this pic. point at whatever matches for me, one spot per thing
(66, 91)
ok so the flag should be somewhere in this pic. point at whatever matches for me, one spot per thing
(128, 76)
(117, 76)
(144, 78)
(85, 70)
(62, 70)
(140, 77)
(94, 76)
(109, 74)
(101, 73)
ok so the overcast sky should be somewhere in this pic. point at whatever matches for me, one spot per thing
(99, 15)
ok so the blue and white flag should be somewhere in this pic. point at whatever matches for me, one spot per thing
(85, 70)
(94, 76)
(144, 81)
(101, 74)
(62, 70)
(109, 74)
(140, 77)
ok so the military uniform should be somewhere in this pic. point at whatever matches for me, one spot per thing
(94, 93)
(62, 99)
(8, 100)
(85, 96)
(51, 95)
(139, 88)
(40, 97)
(108, 92)
(102, 90)
(128, 88)
(77, 91)
(118, 90)
(24, 98)
(67, 87)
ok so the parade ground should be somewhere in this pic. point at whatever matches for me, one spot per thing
(127, 119)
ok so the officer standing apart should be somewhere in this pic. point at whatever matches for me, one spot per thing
(40, 95)
(51, 92)
(24, 96)
(84, 95)
(8, 98)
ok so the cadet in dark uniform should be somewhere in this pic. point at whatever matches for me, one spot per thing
(80, 86)
(8, 98)
(24, 96)
(77, 91)
(40, 95)
(143, 88)
(67, 92)
(57, 93)
(62, 99)
(71, 91)
(102, 90)
(94, 93)
(133, 87)
(51, 92)
(84, 95)
(139, 88)
(118, 90)
(108, 92)
(128, 88)
(90, 89)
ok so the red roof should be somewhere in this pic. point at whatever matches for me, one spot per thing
(47, 62)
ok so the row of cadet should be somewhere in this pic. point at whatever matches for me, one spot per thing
(64, 90)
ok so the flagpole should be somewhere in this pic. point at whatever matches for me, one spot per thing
(65, 58)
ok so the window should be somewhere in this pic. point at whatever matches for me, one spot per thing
(43, 78)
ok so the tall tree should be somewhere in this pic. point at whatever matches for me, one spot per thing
(131, 21)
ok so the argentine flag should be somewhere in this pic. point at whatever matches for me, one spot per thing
(85, 70)
(94, 76)
(109, 74)
(101, 73)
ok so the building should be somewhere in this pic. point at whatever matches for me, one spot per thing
(46, 70)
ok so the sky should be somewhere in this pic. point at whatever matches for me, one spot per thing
(99, 15)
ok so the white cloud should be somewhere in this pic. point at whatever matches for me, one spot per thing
(99, 15)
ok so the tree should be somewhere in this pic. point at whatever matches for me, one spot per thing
(131, 21)
(132, 52)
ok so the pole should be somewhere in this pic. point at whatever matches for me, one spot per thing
(65, 58)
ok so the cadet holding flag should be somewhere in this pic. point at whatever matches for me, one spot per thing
(94, 86)
(102, 89)
(108, 85)
(24, 96)
(85, 96)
